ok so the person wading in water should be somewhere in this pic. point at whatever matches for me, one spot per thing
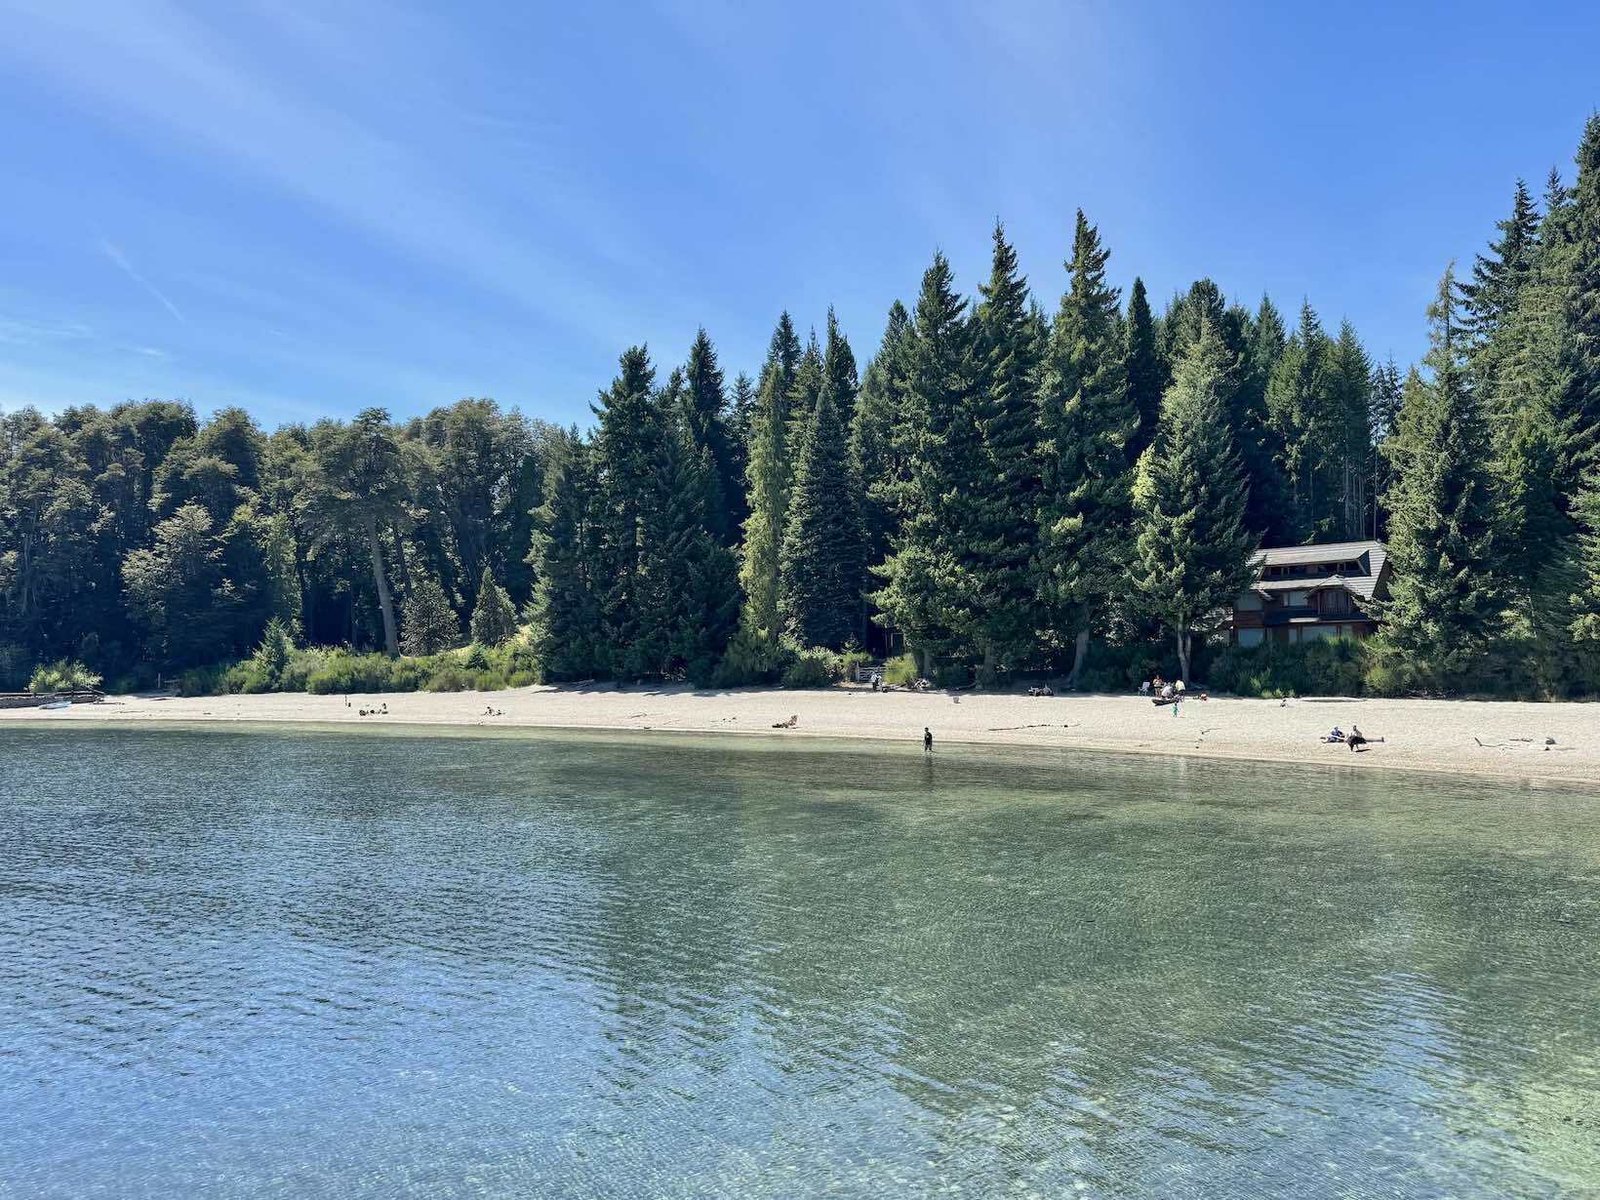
(927, 740)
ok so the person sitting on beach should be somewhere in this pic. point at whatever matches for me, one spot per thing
(1167, 692)
(1179, 687)
(1337, 735)
(1356, 739)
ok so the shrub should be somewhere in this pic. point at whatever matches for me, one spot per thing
(62, 676)
(449, 677)
(303, 664)
(343, 671)
(749, 660)
(900, 671)
(1331, 667)
(264, 670)
(203, 681)
(812, 668)
(849, 661)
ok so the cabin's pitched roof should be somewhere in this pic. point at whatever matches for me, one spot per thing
(1372, 555)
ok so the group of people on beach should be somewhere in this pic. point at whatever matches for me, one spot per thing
(1163, 692)
(1355, 739)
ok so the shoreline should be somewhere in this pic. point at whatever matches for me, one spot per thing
(1503, 741)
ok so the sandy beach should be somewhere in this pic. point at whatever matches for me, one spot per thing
(1549, 743)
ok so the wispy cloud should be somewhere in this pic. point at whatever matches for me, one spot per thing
(372, 169)
(121, 260)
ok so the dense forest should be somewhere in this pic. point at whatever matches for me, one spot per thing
(1004, 488)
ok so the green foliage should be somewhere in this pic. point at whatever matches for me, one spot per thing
(901, 670)
(813, 668)
(566, 550)
(1447, 599)
(1330, 667)
(203, 681)
(431, 624)
(1005, 508)
(62, 676)
(1087, 421)
(751, 660)
(264, 671)
(822, 566)
(1192, 552)
(768, 482)
(930, 592)
(494, 621)
(979, 475)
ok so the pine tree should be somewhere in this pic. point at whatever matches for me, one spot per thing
(706, 414)
(1578, 405)
(930, 593)
(566, 556)
(1446, 599)
(1383, 417)
(823, 565)
(769, 482)
(1270, 513)
(494, 620)
(430, 623)
(803, 394)
(1585, 626)
(1006, 508)
(879, 438)
(1350, 400)
(627, 448)
(1303, 407)
(1490, 298)
(1086, 422)
(1193, 549)
(1147, 374)
(687, 598)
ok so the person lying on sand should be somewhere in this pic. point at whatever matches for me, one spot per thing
(1357, 740)
(789, 724)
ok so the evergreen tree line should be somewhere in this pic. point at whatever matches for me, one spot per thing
(1004, 487)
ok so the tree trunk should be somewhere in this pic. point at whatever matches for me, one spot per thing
(1080, 650)
(986, 669)
(1183, 655)
(391, 643)
(401, 562)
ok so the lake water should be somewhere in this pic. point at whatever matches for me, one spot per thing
(294, 964)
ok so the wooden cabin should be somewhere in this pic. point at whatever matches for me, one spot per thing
(1303, 593)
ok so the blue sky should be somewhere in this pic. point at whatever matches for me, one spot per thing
(308, 208)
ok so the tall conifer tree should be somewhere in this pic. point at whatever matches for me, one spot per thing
(1006, 510)
(769, 483)
(707, 414)
(1086, 421)
(930, 594)
(1147, 374)
(1446, 598)
(824, 554)
(1192, 553)
(880, 441)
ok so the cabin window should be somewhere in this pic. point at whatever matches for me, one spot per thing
(1251, 637)
(1248, 602)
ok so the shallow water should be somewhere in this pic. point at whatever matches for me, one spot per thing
(281, 964)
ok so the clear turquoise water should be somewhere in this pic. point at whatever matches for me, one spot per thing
(277, 964)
